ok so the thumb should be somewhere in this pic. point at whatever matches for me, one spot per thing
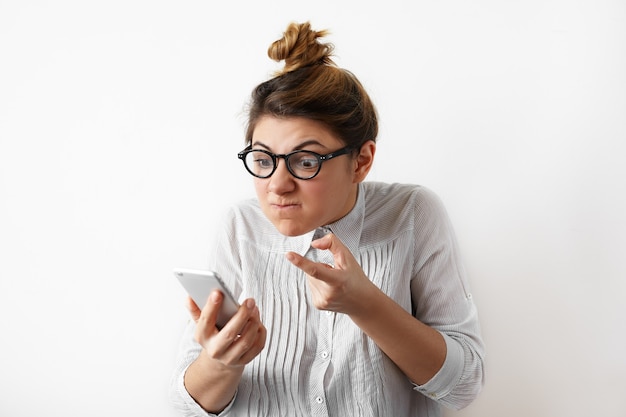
(336, 247)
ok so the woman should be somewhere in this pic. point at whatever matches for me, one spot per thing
(353, 300)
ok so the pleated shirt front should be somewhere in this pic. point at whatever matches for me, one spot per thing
(319, 363)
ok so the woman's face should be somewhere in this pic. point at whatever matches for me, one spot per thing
(298, 206)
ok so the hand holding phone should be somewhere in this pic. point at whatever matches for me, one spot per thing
(199, 285)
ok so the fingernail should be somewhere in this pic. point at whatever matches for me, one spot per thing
(250, 303)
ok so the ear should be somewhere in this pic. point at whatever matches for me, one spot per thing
(364, 160)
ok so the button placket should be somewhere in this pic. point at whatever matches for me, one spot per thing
(321, 363)
(323, 353)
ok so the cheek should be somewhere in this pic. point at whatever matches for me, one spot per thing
(314, 191)
(259, 187)
(323, 199)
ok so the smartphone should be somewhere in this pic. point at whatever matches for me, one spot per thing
(199, 285)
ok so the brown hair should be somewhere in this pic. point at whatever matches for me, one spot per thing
(312, 86)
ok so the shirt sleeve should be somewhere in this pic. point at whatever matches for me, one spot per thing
(222, 259)
(181, 400)
(442, 300)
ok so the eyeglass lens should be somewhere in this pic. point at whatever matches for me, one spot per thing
(302, 164)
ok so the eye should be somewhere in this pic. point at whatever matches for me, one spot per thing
(263, 162)
(259, 161)
(304, 161)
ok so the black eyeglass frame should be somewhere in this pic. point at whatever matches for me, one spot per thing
(320, 158)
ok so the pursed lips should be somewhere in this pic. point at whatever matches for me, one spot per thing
(281, 206)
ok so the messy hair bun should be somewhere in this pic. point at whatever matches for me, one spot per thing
(311, 86)
(299, 47)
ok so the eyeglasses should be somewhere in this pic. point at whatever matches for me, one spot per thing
(303, 165)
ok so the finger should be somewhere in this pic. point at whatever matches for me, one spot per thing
(205, 324)
(208, 315)
(323, 242)
(246, 337)
(316, 270)
(193, 308)
(341, 254)
(257, 345)
(235, 326)
(236, 338)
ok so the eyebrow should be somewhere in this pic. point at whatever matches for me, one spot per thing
(298, 147)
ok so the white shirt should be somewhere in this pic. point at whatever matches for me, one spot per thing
(319, 363)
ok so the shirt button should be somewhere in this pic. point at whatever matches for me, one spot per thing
(328, 312)
(324, 355)
(319, 400)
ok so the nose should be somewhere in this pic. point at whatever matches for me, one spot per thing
(281, 181)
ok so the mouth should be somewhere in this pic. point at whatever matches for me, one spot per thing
(284, 206)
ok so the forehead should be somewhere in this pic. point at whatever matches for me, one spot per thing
(283, 134)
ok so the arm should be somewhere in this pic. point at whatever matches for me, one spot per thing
(400, 335)
(346, 289)
(212, 379)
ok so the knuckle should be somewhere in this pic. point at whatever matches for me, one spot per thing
(245, 345)
(229, 334)
(203, 316)
(211, 351)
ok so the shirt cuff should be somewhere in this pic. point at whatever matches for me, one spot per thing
(192, 406)
(449, 375)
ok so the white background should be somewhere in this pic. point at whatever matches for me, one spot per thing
(119, 127)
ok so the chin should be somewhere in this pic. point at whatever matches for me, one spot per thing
(292, 230)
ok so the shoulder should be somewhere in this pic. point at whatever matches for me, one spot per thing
(391, 197)
(245, 217)
(393, 208)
